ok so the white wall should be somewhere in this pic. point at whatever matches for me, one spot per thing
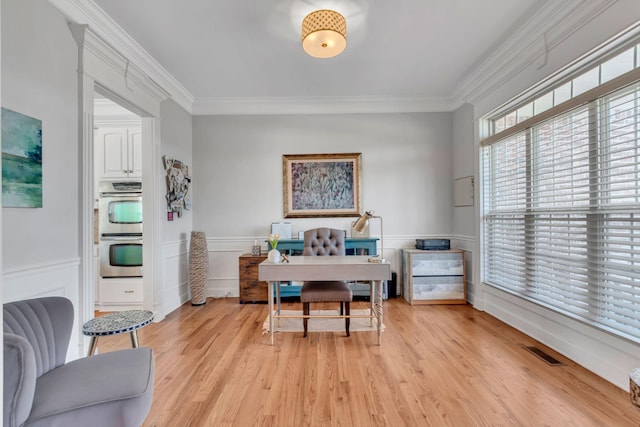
(176, 137)
(39, 78)
(464, 164)
(464, 235)
(237, 179)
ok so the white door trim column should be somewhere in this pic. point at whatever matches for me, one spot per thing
(101, 65)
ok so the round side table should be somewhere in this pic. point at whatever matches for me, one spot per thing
(116, 323)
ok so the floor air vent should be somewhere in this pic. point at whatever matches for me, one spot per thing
(544, 356)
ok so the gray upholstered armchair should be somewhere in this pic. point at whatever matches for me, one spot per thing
(325, 241)
(110, 389)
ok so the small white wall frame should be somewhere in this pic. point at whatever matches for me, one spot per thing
(463, 191)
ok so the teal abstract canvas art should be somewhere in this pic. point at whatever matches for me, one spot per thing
(21, 160)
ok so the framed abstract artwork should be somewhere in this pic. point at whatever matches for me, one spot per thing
(321, 185)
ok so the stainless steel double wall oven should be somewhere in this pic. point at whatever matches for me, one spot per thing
(120, 227)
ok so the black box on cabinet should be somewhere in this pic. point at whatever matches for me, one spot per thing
(433, 244)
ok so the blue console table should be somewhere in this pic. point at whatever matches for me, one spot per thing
(353, 246)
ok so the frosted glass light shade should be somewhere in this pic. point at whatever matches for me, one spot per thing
(324, 33)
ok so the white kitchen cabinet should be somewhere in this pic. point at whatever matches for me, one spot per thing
(434, 277)
(120, 291)
(118, 152)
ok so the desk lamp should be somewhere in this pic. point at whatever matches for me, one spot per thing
(361, 224)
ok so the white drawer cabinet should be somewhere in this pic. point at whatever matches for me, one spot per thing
(123, 291)
(434, 277)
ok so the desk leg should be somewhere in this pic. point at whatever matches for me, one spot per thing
(372, 301)
(92, 345)
(379, 309)
(270, 293)
(134, 338)
(277, 284)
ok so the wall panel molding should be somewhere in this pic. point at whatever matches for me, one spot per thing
(174, 286)
(462, 238)
(29, 269)
(56, 278)
(223, 278)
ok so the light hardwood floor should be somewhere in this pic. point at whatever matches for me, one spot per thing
(437, 366)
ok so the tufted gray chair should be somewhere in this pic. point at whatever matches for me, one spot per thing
(40, 389)
(325, 242)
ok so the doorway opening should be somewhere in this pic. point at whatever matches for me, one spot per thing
(118, 200)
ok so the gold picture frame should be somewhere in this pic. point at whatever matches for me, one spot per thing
(321, 185)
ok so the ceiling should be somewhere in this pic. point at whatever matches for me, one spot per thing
(251, 49)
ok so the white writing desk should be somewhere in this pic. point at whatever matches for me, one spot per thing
(312, 268)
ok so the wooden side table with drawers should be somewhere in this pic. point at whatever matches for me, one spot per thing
(251, 289)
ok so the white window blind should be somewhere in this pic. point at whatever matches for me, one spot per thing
(561, 210)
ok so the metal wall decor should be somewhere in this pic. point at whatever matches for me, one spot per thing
(178, 187)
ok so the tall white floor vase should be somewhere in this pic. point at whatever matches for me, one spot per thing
(198, 267)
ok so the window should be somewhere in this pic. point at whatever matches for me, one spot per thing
(602, 73)
(561, 198)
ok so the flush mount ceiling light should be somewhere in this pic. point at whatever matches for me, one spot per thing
(324, 33)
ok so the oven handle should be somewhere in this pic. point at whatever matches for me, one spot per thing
(121, 238)
(110, 195)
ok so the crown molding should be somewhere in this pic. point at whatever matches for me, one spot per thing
(530, 41)
(323, 105)
(105, 64)
(88, 13)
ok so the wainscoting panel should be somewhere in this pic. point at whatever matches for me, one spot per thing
(468, 244)
(223, 280)
(174, 284)
(59, 278)
(393, 246)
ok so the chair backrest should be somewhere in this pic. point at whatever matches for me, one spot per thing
(46, 324)
(324, 241)
(19, 380)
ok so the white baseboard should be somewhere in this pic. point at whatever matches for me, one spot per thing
(604, 354)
